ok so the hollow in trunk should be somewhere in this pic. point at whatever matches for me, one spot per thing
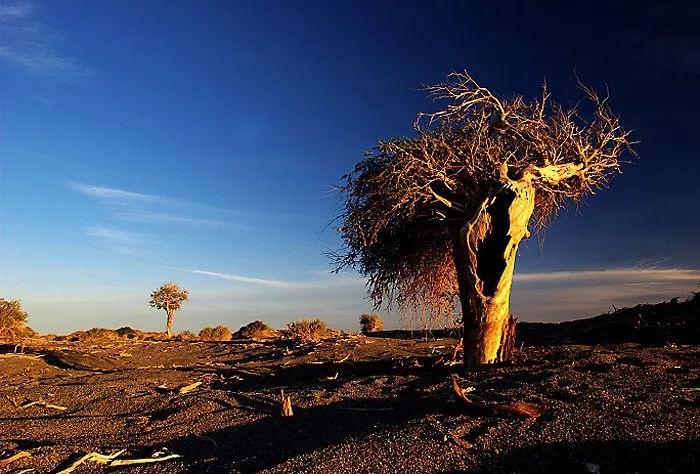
(485, 250)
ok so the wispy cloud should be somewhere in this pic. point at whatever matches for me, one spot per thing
(557, 296)
(151, 208)
(245, 279)
(20, 10)
(114, 195)
(116, 240)
(28, 44)
(328, 281)
(618, 274)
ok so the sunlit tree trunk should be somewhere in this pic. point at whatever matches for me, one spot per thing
(169, 325)
(485, 252)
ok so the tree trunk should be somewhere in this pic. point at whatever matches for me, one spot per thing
(485, 251)
(169, 325)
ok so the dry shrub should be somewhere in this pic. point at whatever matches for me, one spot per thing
(13, 320)
(219, 333)
(128, 333)
(371, 323)
(186, 336)
(255, 330)
(99, 334)
(307, 330)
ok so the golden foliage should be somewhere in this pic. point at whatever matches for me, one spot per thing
(169, 297)
(13, 320)
(371, 323)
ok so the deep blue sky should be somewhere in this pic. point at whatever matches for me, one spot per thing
(143, 140)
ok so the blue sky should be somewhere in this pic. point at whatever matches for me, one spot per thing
(199, 141)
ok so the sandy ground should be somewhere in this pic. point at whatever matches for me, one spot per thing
(361, 404)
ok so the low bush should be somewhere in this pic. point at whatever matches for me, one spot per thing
(255, 330)
(371, 323)
(219, 333)
(186, 336)
(307, 330)
(128, 333)
(101, 334)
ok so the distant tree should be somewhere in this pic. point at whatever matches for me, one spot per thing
(440, 215)
(371, 323)
(13, 320)
(169, 297)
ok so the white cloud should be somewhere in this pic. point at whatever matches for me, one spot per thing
(564, 295)
(151, 208)
(21, 10)
(619, 274)
(115, 195)
(116, 240)
(31, 46)
(329, 281)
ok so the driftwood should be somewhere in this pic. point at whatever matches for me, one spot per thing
(111, 460)
(14, 457)
(127, 462)
(286, 405)
(190, 387)
(516, 408)
(43, 404)
(92, 457)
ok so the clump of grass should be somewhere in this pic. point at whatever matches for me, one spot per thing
(255, 330)
(371, 323)
(218, 333)
(307, 330)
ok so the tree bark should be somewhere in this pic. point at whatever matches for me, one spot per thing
(485, 251)
(169, 325)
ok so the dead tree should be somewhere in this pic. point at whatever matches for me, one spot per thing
(440, 215)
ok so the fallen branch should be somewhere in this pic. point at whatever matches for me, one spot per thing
(43, 404)
(127, 462)
(14, 457)
(190, 387)
(111, 460)
(92, 457)
(517, 408)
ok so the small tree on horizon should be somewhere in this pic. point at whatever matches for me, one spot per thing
(437, 217)
(13, 320)
(371, 323)
(170, 298)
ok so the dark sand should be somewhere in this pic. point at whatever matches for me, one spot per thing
(609, 408)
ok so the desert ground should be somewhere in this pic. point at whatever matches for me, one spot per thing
(380, 403)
